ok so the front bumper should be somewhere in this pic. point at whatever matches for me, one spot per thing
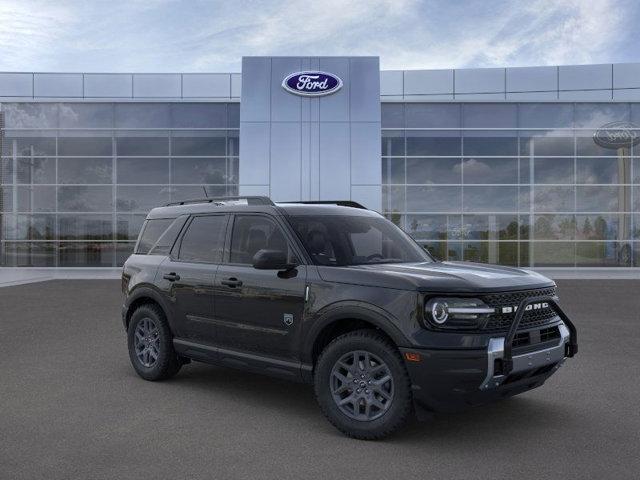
(451, 380)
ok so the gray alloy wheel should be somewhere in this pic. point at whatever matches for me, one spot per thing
(361, 385)
(147, 342)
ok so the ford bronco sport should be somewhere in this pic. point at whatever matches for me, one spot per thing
(334, 294)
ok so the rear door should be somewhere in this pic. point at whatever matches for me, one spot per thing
(259, 311)
(188, 276)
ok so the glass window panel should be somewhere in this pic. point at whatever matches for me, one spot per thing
(490, 145)
(636, 227)
(490, 227)
(30, 115)
(602, 198)
(142, 115)
(146, 146)
(434, 199)
(434, 227)
(503, 253)
(199, 170)
(490, 115)
(554, 227)
(525, 173)
(86, 115)
(233, 170)
(6, 171)
(85, 227)
(202, 145)
(142, 170)
(603, 254)
(636, 171)
(603, 227)
(392, 115)
(433, 143)
(393, 199)
(545, 115)
(393, 170)
(545, 144)
(524, 227)
(553, 170)
(85, 254)
(490, 199)
(233, 143)
(85, 199)
(34, 227)
(603, 170)
(434, 170)
(396, 219)
(36, 199)
(128, 226)
(444, 251)
(490, 170)
(30, 146)
(233, 111)
(392, 143)
(90, 146)
(432, 115)
(36, 170)
(554, 199)
(85, 170)
(123, 251)
(598, 114)
(181, 193)
(585, 145)
(6, 199)
(553, 254)
(204, 239)
(199, 115)
(142, 198)
(41, 254)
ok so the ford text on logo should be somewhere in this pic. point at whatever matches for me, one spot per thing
(617, 135)
(312, 84)
(531, 306)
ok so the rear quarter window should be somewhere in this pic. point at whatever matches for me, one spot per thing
(152, 231)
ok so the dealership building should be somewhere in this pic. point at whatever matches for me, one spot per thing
(530, 166)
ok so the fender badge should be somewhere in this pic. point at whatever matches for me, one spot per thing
(287, 318)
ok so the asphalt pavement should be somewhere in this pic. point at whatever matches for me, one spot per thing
(71, 406)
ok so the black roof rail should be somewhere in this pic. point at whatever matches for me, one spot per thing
(251, 200)
(340, 203)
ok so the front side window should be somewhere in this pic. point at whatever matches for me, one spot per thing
(252, 233)
(204, 240)
(340, 240)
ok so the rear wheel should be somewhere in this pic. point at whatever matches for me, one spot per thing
(150, 344)
(362, 386)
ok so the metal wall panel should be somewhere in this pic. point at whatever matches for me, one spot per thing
(368, 195)
(215, 85)
(255, 145)
(108, 85)
(335, 107)
(236, 85)
(629, 94)
(365, 81)
(285, 176)
(256, 90)
(426, 82)
(157, 85)
(532, 96)
(585, 95)
(626, 75)
(334, 178)
(365, 154)
(391, 82)
(67, 85)
(479, 80)
(532, 79)
(284, 106)
(585, 77)
(16, 84)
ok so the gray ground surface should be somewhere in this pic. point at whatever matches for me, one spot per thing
(72, 407)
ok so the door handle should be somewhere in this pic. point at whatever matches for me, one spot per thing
(232, 282)
(172, 277)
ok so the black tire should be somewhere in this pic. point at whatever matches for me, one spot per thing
(167, 363)
(400, 407)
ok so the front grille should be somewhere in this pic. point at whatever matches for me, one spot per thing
(532, 318)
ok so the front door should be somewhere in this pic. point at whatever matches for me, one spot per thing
(259, 311)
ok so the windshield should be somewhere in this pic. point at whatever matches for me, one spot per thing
(341, 240)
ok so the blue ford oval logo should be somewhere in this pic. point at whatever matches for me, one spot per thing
(312, 84)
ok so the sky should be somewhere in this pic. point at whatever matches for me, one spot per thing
(212, 36)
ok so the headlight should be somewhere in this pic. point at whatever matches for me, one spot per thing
(455, 313)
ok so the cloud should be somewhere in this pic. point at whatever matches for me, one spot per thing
(171, 35)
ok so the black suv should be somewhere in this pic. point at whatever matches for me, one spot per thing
(334, 294)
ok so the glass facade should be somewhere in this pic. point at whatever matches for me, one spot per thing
(77, 179)
(522, 184)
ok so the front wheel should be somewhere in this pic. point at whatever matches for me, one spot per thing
(150, 344)
(362, 385)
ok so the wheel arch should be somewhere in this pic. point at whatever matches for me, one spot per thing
(141, 296)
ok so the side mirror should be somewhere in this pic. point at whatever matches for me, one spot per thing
(272, 260)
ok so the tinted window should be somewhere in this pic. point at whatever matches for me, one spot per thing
(151, 233)
(167, 239)
(204, 239)
(352, 240)
(252, 233)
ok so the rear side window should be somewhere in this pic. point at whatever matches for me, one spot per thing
(151, 232)
(204, 239)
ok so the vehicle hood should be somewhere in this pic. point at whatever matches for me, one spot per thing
(450, 277)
